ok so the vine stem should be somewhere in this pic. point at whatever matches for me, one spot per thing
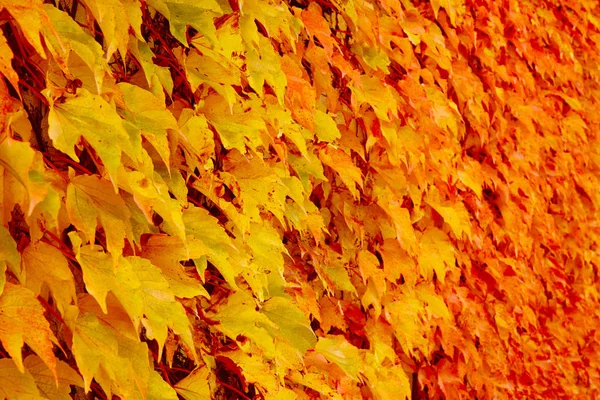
(228, 386)
(51, 310)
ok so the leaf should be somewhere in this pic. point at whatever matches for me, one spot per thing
(65, 35)
(337, 350)
(22, 321)
(377, 94)
(118, 363)
(15, 383)
(9, 256)
(454, 8)
(267, 261)
(160, 308)
(237, 126)
(45, 380)
(89, 199)
(32, 19)
(204, 227)
(455, 215)
(149, 115)
(181, 13)
(98, 270)
(393, 383)
(26, 165)
(195, 386)
(113, 20)
(292, 324)
(325, 127)
(342, 163)
(436, 253)
(46, 266)
(89, 116)
(6, 57)
(166, 253)
(265, 67)
(158, 389)
(238, 318)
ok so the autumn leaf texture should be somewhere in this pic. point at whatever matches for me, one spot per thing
(299, 199)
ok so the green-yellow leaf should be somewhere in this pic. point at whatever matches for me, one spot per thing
(292, 324)
(65, 35)
(339, 351)
(204, 227)
(181, 13)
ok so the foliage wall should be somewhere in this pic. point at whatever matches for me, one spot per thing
(335, 199)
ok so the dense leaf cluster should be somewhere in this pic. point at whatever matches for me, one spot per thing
(266, 199)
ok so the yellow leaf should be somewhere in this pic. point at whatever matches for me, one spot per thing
(471, 176)
(377, 94)
(368, 264)
(196, 13)
(325, 127)
(65, 35)
(265, 67)
(292, 324)
(90, 198)
(392, 383)
(160, 308)
(15, 384)
(397, 262)
(91, 117)
(9, 256)
(435, 304)
(112, 18)
(45, 381)
(32, 19)
(27, 167)
(45, 265)
(452, 7)
(342, 163)
(239, 318)
(454, 214)
(117, 362)
(339, 351)
(205, 228)
(195, 386)
(98, 270)
(22, 321)
(403, 315)
(149, 115)
(436, 253)
(158, 389)
(6, 57)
